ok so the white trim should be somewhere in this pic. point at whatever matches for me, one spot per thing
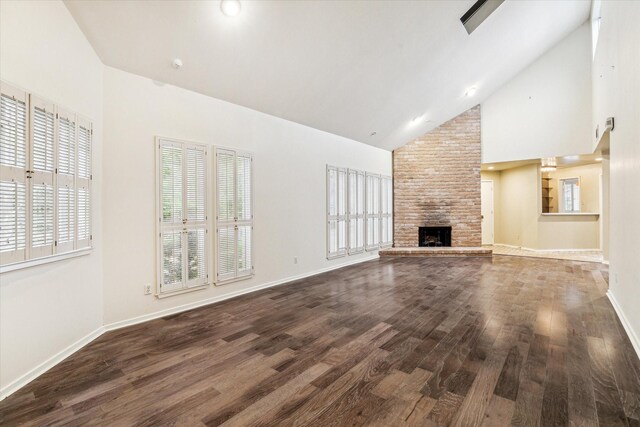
(545, 250)
(45, 260)
(635, 341)
(59, 357)
(570, 214)
(25, 379)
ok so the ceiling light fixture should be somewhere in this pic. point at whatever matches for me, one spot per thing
(471, 91)
(491, 168)
(598, 159)
(230, 7)
(177, 63)
(548, 164)
(416, 120)
(373, 133)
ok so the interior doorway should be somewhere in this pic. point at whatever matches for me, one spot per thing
(486, 197)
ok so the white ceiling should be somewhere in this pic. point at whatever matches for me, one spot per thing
(345, 67)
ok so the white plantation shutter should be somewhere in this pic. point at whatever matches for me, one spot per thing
(225, 185)
(336, 212)
(172, 263)
(196, 257)
(171, 186)
(226, 265)
(13, 213)
(65, 181)
(244, 213)
(355, 211)
(195, 226)
(182, 215)
(84, 216)
(83, 183)
(386, 212)
(42, 172)
(13, 176)
(234, 218)
(372, 213)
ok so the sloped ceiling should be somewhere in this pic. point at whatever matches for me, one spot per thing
(346, 67)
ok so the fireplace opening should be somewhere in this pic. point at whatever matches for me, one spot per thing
(434, 236)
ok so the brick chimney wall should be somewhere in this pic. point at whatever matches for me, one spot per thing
(436, 181)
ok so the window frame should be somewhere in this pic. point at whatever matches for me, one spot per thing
(563, 182)
(185, 225)
(32, 256)
(236, 222)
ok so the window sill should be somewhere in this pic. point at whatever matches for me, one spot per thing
(45, 260)
(182, 291)
(571, 214)
(235, 279)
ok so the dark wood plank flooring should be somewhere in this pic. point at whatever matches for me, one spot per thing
(396, 341)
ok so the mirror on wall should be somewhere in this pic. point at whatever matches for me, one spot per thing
(571, 184)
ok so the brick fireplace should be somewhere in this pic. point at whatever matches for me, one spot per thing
(436, 182)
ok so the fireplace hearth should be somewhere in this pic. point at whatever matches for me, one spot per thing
(434, 236)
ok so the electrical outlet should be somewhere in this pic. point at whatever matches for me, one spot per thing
(147, 289)
(295, 259)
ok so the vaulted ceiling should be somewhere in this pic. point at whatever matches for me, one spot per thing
(351, 68)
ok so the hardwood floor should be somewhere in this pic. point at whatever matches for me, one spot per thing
(396, 341)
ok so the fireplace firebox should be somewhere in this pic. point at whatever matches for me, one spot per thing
(434, 236)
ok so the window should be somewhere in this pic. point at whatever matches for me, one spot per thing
(355, 212)
(234, 217)
(570, 194)
(386, 211)
(336, 212)
(182, 215)
(372, 213)
(45, 178)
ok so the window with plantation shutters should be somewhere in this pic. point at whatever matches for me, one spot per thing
(336, 212)
(355, 211)
(234, 215)
(182, 215)
(372, 213)
(386, 211)
(45, 180)
(13, 175)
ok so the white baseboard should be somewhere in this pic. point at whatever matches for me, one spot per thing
(49, 363)
(545, 250)
(59, 357)
(625, 323)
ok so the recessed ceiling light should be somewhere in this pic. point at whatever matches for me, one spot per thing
(598, 159)
(416, 120)
(490, 168)
(230, 7)
(177, 63)
(471, 91)
(373, 133)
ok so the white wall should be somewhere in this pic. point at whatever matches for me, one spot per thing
(545, 111)
(44, 309)
(617, 93)
(289, 171)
